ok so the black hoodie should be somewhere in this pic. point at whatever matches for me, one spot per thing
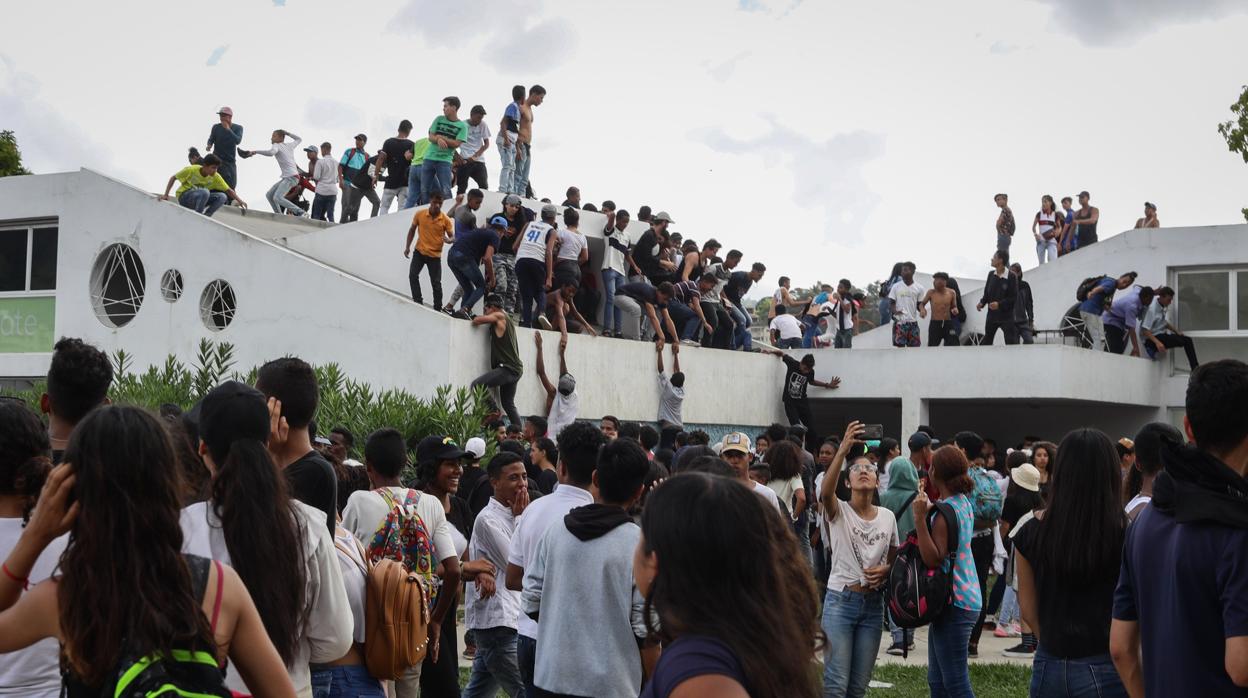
(1196, 486)
(595, 520)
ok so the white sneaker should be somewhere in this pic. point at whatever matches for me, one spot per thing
(690, 343)
(545, 322)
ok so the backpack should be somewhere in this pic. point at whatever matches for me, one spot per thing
(184, 673)
(918, 594)
(400, 590)
(1086, 286)
(986, 500)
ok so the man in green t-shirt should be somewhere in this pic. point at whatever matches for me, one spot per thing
(203, 189)
(446, 133)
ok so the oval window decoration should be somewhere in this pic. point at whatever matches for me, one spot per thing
(217, 305)
(171, 285)
(118, 283)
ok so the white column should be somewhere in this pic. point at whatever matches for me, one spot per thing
(913, 413)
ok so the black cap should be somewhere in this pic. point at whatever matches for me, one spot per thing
(919, 441)
(232, 408)
(362, 137)
(432, 449)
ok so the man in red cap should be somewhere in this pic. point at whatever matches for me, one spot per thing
(223, 142)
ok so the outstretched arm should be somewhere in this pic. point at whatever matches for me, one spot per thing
(563, 363)
(675, 360)
(827, 493)
(541, 371)
(658, 357)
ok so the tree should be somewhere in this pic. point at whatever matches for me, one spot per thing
(1235, 131)
(10, 156)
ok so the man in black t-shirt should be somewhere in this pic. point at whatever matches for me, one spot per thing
(640, 298)
(290, 386)
(648, 250)
(394, 156)
(799, 375)
(738, 285)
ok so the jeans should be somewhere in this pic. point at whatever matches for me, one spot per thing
(1093, 677)
(435, 175)
(474, 169)
(505, 380)
(947, 671)
(277, 196)
(434, 265)
(505, 282)
(532, 277)
(791, 343)
(1095, 328)
(351, 203)
(852, 623)
(202, 201)
(468, 273)
(507, 156)
(1007, 327)
(721, 326)
(631, 311)
(1046, 248)
(1173, 341)
(941, 332)
(495, 665)
(323, 207)
(844, 339)
(1009, 611)
(741, 329)
(686, 321)
(1003, 242)
(350, 681)
(903, 637)
(520, 183)
(413, 185)
(810, 331)
(526, 657)
(396, 195)
(611, 316)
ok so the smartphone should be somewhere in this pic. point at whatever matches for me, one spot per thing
(872, 432)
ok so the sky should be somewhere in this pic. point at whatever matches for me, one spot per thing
(827, 139)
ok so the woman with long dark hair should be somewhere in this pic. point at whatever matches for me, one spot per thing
(1068, 558)
(125, 590)
(279, 546)
(752, 637)
(1043, 456)
(948, 636)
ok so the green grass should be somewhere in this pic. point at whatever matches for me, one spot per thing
(988, 680)
(995, 680)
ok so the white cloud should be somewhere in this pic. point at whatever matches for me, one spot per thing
(1107, 22)
(725, 70)
(515, 35)
(1001, 48)
(215, 57)
(543, 46)
(331, 114)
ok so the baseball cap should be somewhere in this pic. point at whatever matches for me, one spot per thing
(1026, 476)
(310, 149)
(511, 200)
(567, 384)
(919, 441)
(438, 448)
(499, 220)
(478, 109)
(323, 440)
(232, 408)
(1085, 193)
(550, 210)
(475, 447)
(736, 441)
(362, 137)
(1149, 204)
(662, 216)
(225, 111)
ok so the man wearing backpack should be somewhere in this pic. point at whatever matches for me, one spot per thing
(1094, 295)
(355, 180)
(986, 501)
(407, 526)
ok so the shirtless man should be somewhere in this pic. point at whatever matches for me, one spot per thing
(1150, 219)
(524, 139)
(1086, 219)
(562, 312)
(940, 330)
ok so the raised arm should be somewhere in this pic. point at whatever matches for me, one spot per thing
(827, 492)
(551, 239)
(675, 360)
(541, 371)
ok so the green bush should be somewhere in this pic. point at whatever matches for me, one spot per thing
(457, 412)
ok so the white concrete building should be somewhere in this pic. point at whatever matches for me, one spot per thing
(83, 255)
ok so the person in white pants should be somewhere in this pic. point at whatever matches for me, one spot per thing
(283, 151)
(632, 299)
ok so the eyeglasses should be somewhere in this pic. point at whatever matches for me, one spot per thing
(863, 467)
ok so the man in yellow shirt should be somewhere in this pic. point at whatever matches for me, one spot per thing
(436, 229)
(203, 190)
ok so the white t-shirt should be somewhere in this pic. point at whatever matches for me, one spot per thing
(786, 489)
(533, 524)
(855, 544)
(533, 241)
(613, 255)
(562, 412)
(366, 511)
(788, 326)
(34, 671)
(351, 561)
(906, 300)
(767, 493)
(325, 172)
(476, 136)
(571, 242)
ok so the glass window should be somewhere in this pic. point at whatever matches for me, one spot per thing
(13, 260)
(43, 260)
(1204, 300)
(1241, 283)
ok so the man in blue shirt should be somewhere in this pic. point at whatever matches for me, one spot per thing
(1180, 615)
(470, 250)
(1091, 309)
(1122, 319)
(1070, 234)
(223, 142)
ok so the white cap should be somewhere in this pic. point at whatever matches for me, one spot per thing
(476, 447)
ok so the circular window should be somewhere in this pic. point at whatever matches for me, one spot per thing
(117, 285)
(217, 305)
(171, 285)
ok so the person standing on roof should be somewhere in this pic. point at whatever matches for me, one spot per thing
(282, 149)
(223, 142)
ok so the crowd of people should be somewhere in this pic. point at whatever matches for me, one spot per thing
(231, 547)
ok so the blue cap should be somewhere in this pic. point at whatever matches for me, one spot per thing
(499, 220)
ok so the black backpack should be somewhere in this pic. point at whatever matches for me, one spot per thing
(1086, 286)
(917, 594)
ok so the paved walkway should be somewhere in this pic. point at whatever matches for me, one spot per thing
(990, 648)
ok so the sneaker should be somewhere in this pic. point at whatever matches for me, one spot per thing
(1001, 631)
(972, 651)
(462, 314)
(1020, 651)
(448, 308)
(896, 649)
(545, 322)
(990, 623)
(1015, 630)
(470, 652)
(690, 343)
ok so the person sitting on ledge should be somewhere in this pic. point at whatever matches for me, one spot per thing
(203, 190)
